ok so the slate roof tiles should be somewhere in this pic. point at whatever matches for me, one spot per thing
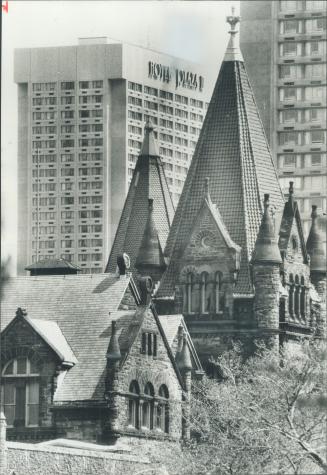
(148, 181)
(233, 151)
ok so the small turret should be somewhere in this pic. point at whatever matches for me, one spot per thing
(184, 360)
(266, 247)
(149, 146)
(266, 280)
(316, 251)
(113, 356)
(150, 260)
(185, 366)
(113, 353)
(315, 245)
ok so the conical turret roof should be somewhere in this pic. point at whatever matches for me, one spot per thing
(315, 245)
(148, 182)
(266, 248)
(150, 252)
(232, 149)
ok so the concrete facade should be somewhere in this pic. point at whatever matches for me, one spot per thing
(284, 48)
(81, 112)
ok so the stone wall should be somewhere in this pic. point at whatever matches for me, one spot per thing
(22, 340)
(31, 459)
(156, 370)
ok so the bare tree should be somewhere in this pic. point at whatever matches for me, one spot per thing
(266, 415)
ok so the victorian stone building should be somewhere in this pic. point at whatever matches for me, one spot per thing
(237, 265)
(87, 357)
(113, 355)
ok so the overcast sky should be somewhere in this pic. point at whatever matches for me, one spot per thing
(195, 30)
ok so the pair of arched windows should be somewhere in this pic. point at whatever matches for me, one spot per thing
(297, 296)
(148, 411)
(20, 392)
(205, 296)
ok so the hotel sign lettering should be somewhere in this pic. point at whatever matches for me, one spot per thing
(182, 78)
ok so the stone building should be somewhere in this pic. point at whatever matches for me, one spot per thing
(98, 357)
(87, 357)
(237, 263)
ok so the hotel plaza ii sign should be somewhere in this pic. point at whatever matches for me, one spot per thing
(182, 78)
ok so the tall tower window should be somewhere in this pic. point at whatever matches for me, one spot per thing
(163, 409)
(205, 293)
(218, 304)
(133, 404)
(148, 405)
(190, 291)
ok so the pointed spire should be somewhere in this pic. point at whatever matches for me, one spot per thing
(315, 245)
(149, 146)
(266, 247)
(291, 195)
(150, 252)
(113, 352)
(184, 360)
(233, 52)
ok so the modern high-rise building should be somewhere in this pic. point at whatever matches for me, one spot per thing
(284, 48)
(81, 114)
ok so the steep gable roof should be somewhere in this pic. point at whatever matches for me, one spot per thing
(232, 149)
(148, 182)
(82, 306)
(291, 213)
(171, 325)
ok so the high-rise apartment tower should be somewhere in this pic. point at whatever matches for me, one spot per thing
(81, 115)
(284, 48)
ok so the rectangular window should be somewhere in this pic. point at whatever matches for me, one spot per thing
(67, 214)
(134, 115)
(289, 160)
(133, 86)
(67, 172)
(67, 114)
(135, 101)
(67, 200)
(317, 136)
(166, 95)
(289, 49)
(316, 159)
(151, 91)
(291, 26)
(67, 86)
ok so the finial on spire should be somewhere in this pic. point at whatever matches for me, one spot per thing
(266, 200)
(315, 245)
(314, 213)
(233, 52)
(150, 203)
(149, 146)
(291, 194)
(148, 124)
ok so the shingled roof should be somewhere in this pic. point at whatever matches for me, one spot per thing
(148, 182)
(83, 307)
(233, 151)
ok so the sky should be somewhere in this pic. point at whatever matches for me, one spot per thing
(196, 31)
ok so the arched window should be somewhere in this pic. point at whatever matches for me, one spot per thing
(190, 283)
(163, 409)
(205, 293)
(297, 296)
(133, 405)
(291, 296)
(147, 408)
(218, 297)
(302, 298)
(20, 392)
